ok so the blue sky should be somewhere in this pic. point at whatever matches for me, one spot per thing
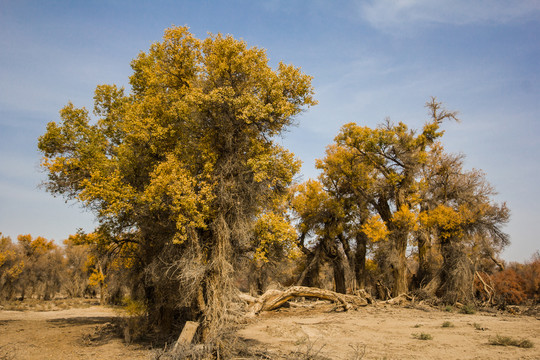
(369, 59)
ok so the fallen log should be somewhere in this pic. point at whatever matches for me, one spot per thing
(274, 299)
(400, 299)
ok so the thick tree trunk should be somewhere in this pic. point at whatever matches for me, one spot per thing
(399, 265)
(423, 275)
(352, 284)
(456, 273)
(337, 258)
(339, 265)
(310, 275)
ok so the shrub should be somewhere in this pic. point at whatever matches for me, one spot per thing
(423, 336)
(509, 341)
(477, 326)
(509, 287)
(468, 309)
(447, 324)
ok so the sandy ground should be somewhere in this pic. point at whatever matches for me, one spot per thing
(63, 334)
(388, 332)
(373, 332)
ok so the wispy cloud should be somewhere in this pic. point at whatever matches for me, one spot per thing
(399, 14)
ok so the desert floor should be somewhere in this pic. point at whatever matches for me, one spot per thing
(313, 331)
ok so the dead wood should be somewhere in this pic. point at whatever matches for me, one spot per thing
(487, 288)
(499, 264)
(274, 299)
(383, 291)
(187, 334)
(400, 299)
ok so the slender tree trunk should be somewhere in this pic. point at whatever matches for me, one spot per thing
(360, 263)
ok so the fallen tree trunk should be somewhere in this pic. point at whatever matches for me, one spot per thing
(274, 299)
(400, 299)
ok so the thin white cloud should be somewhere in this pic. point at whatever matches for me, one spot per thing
(400, 14)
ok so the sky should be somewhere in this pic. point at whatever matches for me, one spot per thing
(369, 60)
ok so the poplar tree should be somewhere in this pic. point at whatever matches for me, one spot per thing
(180, 169)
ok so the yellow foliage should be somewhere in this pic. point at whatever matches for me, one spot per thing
(16, 270)
(274, 234)
(371, 265)
(375, 229)
(404, 218)
(449, 222)
(134, 307)
(97, 278)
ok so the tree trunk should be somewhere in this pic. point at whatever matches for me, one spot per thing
(352, 284)
(310, 275)
(424, 269)
(332, 251)
(339, 274)
(457, 276)
(399, 265)
(360, 263)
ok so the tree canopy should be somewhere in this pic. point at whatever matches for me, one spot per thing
(398, 187)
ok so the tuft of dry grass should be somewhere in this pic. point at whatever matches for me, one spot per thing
(48, 305)
(447, 324)
(509, 341)
(422, 336)
(468, 309)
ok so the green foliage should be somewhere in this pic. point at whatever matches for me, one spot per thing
(447, 324)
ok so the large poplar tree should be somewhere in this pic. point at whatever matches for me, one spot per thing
(179, 169)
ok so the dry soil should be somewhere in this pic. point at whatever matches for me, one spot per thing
(373, 332)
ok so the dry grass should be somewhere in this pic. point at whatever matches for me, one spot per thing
(49, 305)
(509, 341)
(422, 336)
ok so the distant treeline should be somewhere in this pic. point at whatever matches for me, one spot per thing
(38, 268)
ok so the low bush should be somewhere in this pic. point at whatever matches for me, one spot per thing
(509, 341)
(422, 336)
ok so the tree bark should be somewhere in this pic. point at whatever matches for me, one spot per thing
(399, 265)
(310, 275)
(424, 246)
(351, 261)
(360, 263)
